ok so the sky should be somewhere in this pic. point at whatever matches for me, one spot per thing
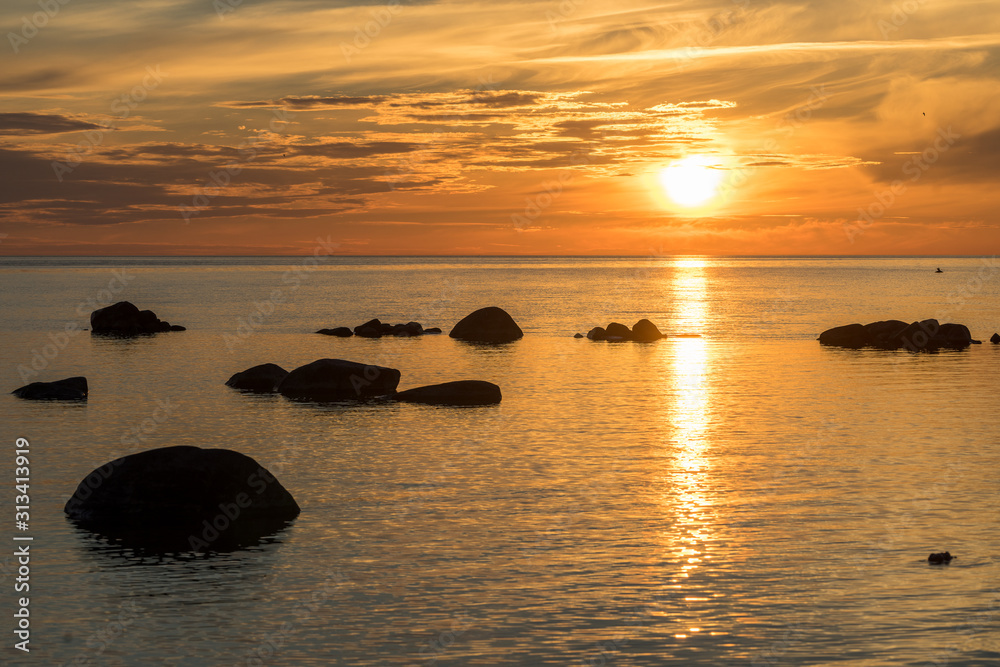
(572, 127)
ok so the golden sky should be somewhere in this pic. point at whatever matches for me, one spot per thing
(573, 127)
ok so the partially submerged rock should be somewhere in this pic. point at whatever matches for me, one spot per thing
(942, 558)
(338, 380)
(68, 389)
(896, 334)
(261, 379)
(597, 333)
(340, 332)
(616, 332)
(182, 499)
(460, 392)
(645, 331)
(487, 325)
(995, 338)
(125, 319)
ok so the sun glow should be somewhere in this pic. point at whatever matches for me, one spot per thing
(692, 181)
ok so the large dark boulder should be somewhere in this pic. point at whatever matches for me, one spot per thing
(616, 331)
(849, 335)
(125, 319)
(69, 389)
(261, 379)
(487, 325)
(460, 392)
(182, 499)
(930, 335)
(883, 333)
(645, 331)
(338, 380)
(895, 334)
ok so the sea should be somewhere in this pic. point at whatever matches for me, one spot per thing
(732, 494)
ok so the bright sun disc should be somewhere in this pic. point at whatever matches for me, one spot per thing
(691, 181)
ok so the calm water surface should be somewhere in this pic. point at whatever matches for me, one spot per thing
(746, 497)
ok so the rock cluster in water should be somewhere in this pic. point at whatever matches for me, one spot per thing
(896, 334)
(125, 319)
(68, 389)
(376, 329)
(327, 380)
(487, 325)
(643, 331)
(182, 499)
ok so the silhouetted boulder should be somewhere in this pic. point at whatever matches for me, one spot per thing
(597, 333)
(338, 380)
(182, 498)
(579, 335)
(616, 331)
(881, 334)
(645, 331)
(849, 335)
(124, 319)
(487, 325)
(995, 338)
(895, 334)
(461, 392)
(433, 330)
(942, 558)
(340, 332)
(261, 379)
(370, 329)
(68, 389)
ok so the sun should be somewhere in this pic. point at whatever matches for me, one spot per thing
(693, 180)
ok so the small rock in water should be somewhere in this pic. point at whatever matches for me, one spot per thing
(995, 338)
(579, 335)
(940, 558)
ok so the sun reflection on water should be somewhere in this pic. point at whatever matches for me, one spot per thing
(687, 418)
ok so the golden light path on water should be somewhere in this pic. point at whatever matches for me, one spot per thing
(688, 416)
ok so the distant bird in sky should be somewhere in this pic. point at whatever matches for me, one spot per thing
(925, 113)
